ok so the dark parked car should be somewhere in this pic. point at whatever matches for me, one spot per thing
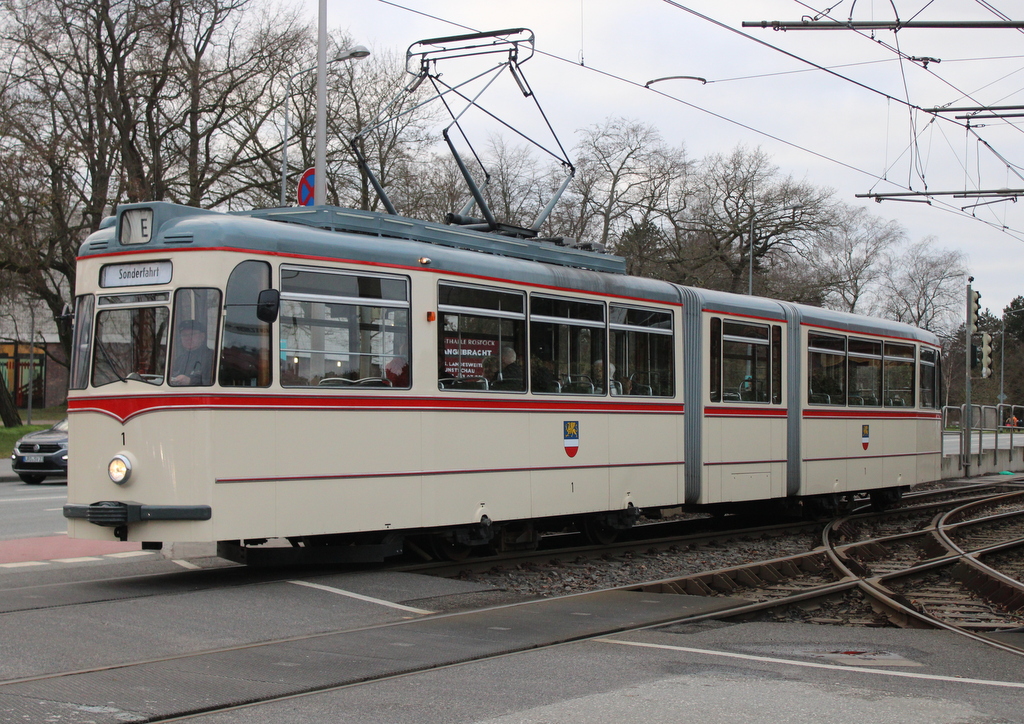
(42, 453)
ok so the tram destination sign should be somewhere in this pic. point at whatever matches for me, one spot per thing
(136, 274)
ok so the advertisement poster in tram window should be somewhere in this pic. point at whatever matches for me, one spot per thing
(465, 357)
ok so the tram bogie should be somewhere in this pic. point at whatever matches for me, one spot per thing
(252, 380)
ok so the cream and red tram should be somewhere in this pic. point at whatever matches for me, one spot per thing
(329, 376)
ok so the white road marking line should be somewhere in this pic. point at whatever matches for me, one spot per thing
(186, 564)
(83, 559)
(379, 601)
(33, 500)
(52, 510)
(812, 665)
(24, 564)
(128, 554)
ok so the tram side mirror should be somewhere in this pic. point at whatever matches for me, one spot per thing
(267, 305)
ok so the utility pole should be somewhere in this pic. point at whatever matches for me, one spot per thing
(973, 306)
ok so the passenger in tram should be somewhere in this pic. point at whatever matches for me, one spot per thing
(617, 384)
(397, 369)
(510, 367)
(192, 360)
(542, 375)
(599, 378)
(490, 369)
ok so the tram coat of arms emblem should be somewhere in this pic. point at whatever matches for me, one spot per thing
(571, 435)
(864, 435)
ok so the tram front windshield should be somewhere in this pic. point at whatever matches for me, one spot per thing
(131, 341)
(132, 333)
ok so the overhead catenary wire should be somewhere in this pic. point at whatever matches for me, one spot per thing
(1017, 234)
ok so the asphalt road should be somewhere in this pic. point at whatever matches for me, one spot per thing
(31, 511)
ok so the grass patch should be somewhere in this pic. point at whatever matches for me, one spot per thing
(10, 435)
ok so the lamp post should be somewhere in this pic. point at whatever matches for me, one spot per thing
(356, 52)
(750, 254)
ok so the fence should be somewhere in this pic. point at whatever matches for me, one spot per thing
(994, 439)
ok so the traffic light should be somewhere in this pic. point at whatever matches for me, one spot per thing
(986, 354)
(975, 356)
(973, 307)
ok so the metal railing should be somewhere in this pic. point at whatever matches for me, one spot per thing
(994, 419)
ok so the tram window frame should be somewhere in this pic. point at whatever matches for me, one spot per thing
(568, 337)
(928, 363)
(196, 312)
(245, 351)
(367, 317)
(641, 349)
(484, 330)
(864, 355)
(750, 343)
(818, 348)
(147, 333)
(777, 364)
(715, 359)
(81, 346)
(898, 359)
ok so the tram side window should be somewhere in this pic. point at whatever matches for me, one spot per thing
(343, 330)
(745, 357)
(482, 339)
(84, 307)
(776, 364)
(131, 341)
(899, 375)
(641, 352)
(929, 378)
(865, 372)
(826, 369)
(567, 346)
(245, 345)
(196, 317)
(715, 367)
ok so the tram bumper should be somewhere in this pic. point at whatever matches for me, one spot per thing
(113, 513)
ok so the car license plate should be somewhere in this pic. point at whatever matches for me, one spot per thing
(33, 458)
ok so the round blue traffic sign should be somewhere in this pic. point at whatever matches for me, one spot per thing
(307, 187)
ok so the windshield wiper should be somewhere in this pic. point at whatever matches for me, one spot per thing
(101, 347)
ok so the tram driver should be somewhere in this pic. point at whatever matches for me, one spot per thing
(191, 360)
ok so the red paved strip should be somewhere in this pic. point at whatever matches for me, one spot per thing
(59, 546)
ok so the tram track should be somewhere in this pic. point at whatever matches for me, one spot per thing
(900, 575)
(800, 579)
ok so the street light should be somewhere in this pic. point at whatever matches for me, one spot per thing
(356, 52)
(750, 274)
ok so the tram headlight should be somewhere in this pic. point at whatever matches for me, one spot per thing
(120, 469)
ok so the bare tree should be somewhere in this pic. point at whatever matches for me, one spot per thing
(851, 254)
(741, 205)
(124, 100)
(924, 286)
(625, 175)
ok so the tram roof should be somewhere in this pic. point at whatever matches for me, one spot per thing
(473, 254)
(771, 309)
(847, 322)
(317, 234)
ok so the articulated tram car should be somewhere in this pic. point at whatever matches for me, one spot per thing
(324, 376)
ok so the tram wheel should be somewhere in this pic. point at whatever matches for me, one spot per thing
(449, 550)
(822, 506)
(599, 533)
(885, 498)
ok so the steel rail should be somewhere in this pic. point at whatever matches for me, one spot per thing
(897, 605)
